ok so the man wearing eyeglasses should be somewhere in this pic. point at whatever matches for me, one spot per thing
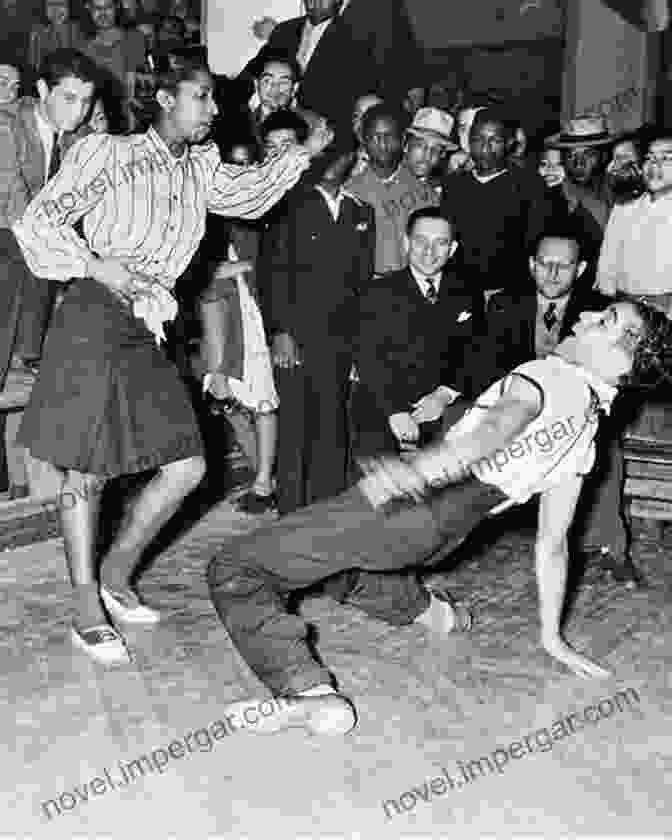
(10, 83)
(275, 86)
(521, 327)
(636, 255)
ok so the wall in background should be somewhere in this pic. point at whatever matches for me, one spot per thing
(445, 23)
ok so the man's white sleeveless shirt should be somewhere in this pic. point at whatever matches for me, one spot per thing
(557, 444)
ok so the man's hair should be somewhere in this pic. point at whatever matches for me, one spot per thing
(278, 58)
(326, 159)
(174, 21)
(652, 355)
(496, 114)
(384, 111)
(568, 232)
(66, 62)
(429, 213)
(284, 120)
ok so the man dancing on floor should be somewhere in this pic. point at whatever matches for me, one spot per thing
(530, 433)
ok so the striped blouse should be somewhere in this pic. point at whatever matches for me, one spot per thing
(142, 205)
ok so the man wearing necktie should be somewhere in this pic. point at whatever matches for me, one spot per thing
(519, 328)
(413, 326)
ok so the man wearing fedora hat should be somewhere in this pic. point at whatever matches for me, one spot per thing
(428, 140)
(581, 193)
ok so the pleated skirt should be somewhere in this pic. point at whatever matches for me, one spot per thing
(107, 400)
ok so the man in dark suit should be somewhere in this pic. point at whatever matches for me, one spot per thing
(337, 66)
(499, 208)
(521, 327)
(413, 326)
(318, 260)
(32, 141)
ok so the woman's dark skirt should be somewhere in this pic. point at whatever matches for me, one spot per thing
(107, 401)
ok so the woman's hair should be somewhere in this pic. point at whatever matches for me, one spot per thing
(171, 67)
(652, 355)
(179, 65)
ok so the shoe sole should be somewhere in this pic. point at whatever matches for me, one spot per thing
(124, 615)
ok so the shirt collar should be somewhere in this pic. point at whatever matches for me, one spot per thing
(560, 303)
(332, 200)
(161, 149)
(423, 281)
(390, 178)
(317, 27)
(484, 179)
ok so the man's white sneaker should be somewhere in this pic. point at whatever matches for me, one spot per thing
(443, 616)
(133, 612)
(102, 643)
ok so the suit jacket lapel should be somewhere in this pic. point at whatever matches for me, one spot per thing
(34, 164)
(413, 289)
(528, 323)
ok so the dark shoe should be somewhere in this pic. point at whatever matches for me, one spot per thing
(256, 504)
(619, 568)
(18, 491)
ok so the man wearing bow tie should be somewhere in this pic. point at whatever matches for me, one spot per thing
(414, 324)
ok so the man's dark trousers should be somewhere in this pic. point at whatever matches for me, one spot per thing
(313, 441)
(252, 577)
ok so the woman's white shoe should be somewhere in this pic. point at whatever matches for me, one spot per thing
(102, 643)
(137, 614)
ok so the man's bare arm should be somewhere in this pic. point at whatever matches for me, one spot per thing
(557, 507)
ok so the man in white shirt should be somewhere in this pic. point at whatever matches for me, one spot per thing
(636, 256)
(530, 433)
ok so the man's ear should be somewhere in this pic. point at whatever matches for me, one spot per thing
(453, 248)
(583, 265)
(406, 243)
(531, 262)
(42, 90)
(166, 100)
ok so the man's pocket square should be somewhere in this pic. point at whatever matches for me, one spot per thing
(463, 316)
(363, 226)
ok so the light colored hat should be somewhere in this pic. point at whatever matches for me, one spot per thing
(582, 131)
(435, 123)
